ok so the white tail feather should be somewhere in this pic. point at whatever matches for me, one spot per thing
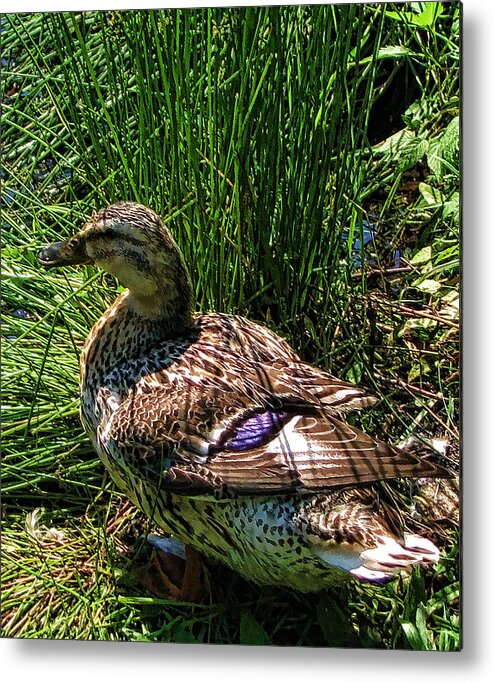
(381, 563)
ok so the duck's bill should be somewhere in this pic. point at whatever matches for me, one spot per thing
(62, 254)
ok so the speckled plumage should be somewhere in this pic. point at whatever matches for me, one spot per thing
(215, 428)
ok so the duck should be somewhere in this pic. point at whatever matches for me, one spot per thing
(218, 431)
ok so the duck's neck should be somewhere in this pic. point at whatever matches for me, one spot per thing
(165, 300)
(128, 330)
(157, 279)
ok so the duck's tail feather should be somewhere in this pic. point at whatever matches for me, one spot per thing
(387, 560)
(391, 558)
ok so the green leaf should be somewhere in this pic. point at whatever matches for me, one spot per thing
(451, 309)
(452, 208)
(417, 113)
(449, 594)
(334, 624)
(12, 252)
(354, 374)
(428, 286)
(434, 161)
(395, 143)
(449, 142)
(422, 256)
(444, 151)
(403, 17)
(427, 17)
(431, 195)
(412, 154)
(421, 368)
(251, 631)
(421, 623)
(181, 633)
(412, 635)
(452, 298)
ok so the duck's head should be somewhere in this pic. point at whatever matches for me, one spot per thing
(132, 243)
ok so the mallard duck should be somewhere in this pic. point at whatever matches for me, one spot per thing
(215, 428)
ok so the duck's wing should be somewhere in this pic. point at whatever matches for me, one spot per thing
(313, 451)
(302, 381)
(244, 432)
(276, 364)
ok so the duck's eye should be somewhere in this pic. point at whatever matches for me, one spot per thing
(75, 242)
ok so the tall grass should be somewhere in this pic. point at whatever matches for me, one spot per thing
(252, 131)
(220, 105)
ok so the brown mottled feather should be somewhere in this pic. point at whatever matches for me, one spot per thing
(175, 419)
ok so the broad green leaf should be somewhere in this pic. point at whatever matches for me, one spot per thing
(431, 195)
(412, 154)
(354, 374)
(449, 142)
(421, 623)
(426, 17)
(422, 256)
(413, 636)
(418, 370)
(428, 286)
(333, 623)
(396, 142)
(434, 160)
(452, 207)
(251, 631)
(418, 113)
